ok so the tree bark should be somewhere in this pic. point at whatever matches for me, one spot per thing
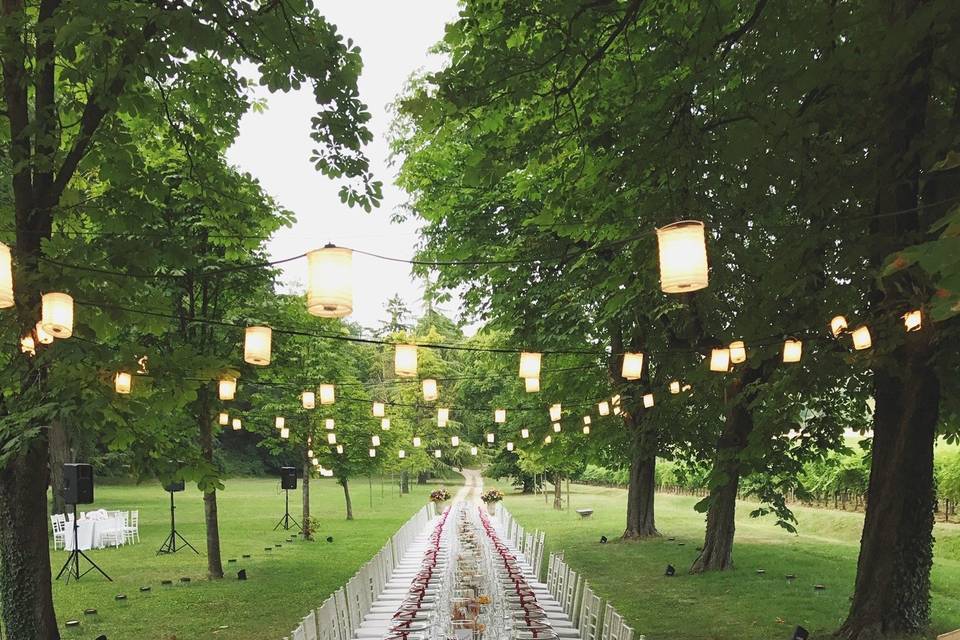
(422, 477)
(204, 422)
(59, 454)
(25, 581)
(404, 482)
(643, 481)
(558, 492)
(346, 497)
(306, 530)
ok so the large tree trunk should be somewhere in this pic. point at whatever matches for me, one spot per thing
(404, 482)
(205, 424)
(59, 454)
(24, 547)
(422, 477)
(558, 492)
(306, 531)
(346, 497)
(529, 483)
(643, 481)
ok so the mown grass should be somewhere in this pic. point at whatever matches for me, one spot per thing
(283, 584)
(737, 604)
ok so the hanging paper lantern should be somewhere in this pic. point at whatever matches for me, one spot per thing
(683, 257)
(378, 409)
(279, 422)
(720, 360)
(548, 440)
(556, 427)
(329, 423)
(330, 282)
(586, 429)
(375, 441)
(285, 433)
(437, 453)
(309, 453)
(331, 438)
(6, 277)
(385, 424)
(473, 451)
(416, 441)
(675, 387)
(555, 411)
(405, 360)
(524, 433)
(227, 388)
(615, 400)
(490, 438)
(455, 441)
(686, 388)
(339, 450)
(738, 352)
(309, 440)
(401, 454)
(530, 365)
(792, 350)
(28, 346)
(632, 366)
(861, 338)
(603, 408)
(838, 325)
(648, 400)
(256, 345)
(42, 336)
(56, 314)
(122, 382)
(617, 411)
(500, 416)
(236, 424)
(223, 419)
(327, 394)
(532, 385)
(309, 399)
(373, 453)
(913, 320)
(430, 392)
(443, 416)
(586, 419)
(509, 446)
(316, 463)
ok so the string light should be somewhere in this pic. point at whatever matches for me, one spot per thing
(328, 394)
(913, 320)
(56, 313)
(838, 325)
(405, 360)
(256, 345)
(123, 382)
(720, 360)
(500, 416)
(330, 282)
(530, 365)
(227, 388)
(6, 277)
(532, 385)
(223, 419)
(792, 350)
(738, 352)
(683, 257)
(861, 338)
(430, 392)
(632, 368)
(308, 399)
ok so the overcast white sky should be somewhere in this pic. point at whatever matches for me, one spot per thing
(275, 148)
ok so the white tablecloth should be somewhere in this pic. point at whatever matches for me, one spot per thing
(90, 532)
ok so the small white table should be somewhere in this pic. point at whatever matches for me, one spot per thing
(90, 533)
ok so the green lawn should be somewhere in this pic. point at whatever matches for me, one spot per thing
(282, 584)
(737, 604)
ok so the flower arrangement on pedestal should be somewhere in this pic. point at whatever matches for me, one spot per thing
(440, 495)
(491, 498)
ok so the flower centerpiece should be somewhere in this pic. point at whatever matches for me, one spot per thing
(491, 498)
(440, 495)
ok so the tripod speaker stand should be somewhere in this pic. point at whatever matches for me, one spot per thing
(72, 566)
(288, 480)
(170, 544)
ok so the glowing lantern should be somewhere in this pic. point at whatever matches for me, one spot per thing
(683, 257)
(792, 350)
(223, 419)
(500, 416)
(309, 453)
(385, 424)
(509, 446)
(378, 409)
(401, 454)
(647, 400)
(28, 346)
(455, 441)
(327, 394)
(430, 392)
(586, 429)
(122, 382)
(473, 451)
(227, 388)
(316, 463)
(530, 365)
(720, 360)
(416, 441)
(56, 314)
(330, 282)
(331, 438)
(6, 277)
(437, 453)
(738, 352)
(329, 423)
(236, 424)
(373, 453)
(548, 440)
(555, 411)
(838, 325)
(375, 441)
(603, 408)
(532, 385)
(279, 422)
(284, 433)
(524, 433)
(675, 387)
(615, 400)
(490, 438)
(256, 345)
(913, 320)
(686, 388)
(861, 338)
(556, 427)
(42, 336)
(443, 416)
(632, 366)
(405, 360)
(339, 450)
(617, 411)
(586, 419)
(309, 399)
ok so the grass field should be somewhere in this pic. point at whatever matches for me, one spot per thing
(737, 604)
(283, 584)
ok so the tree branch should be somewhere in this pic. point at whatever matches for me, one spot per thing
(733, 37)
(632, 10)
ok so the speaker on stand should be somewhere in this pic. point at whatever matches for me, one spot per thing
(78, 489)
(288, 481)
(170, 544)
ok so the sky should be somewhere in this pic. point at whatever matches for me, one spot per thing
(274, 147)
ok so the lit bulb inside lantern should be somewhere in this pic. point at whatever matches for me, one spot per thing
(416, 441)
(720, 360)
(6, 277)
(56, 314)
(375, 441)
(430, 392)
(532, 385)
(556, 427)
(500, 416)
(648, 400)
(122, 382)
(236, 424)
(227, 388)
(329, 423)
(279, 422)
(675, 387)
(330, 282)
(405, 360)
(555, 411)
(42, 336)
(586, 429)
(792, 350)
(838, 325)
(455, 441)
(586, 420)
(913, 320)
(378, 409)
(223, 419)
(256, 345)
(490, 438)
(632, 366)
(603, 408)
(509, 446)
(437, 453)
(385, 424)
(308, 399)
(683, 257)
(861, 338)
(443, 416)
(285, 433)
(530, 365)
(327, 394)
(331, 438)
(524, 433)
(401, 453)
(738, 352)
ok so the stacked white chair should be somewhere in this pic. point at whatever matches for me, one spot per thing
(59, 523)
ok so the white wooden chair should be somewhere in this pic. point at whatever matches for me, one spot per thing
(612, 624)
(59, 523)
(131, 531)
(590, 614)
(310, 626)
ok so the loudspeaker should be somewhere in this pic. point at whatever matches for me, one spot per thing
(288, 477)
(176, 485)
(77, 483)
(671, 571)
(800, 634)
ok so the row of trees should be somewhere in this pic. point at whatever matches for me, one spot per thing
(819, 144)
